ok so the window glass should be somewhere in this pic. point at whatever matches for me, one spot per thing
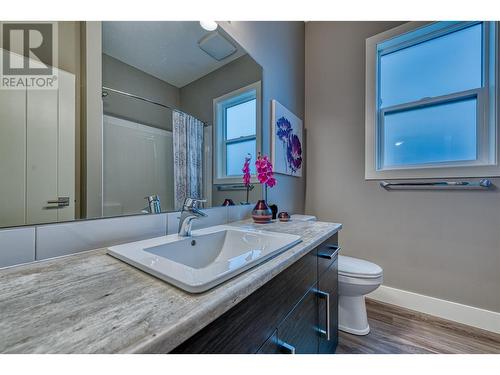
(235, 157)
(440, 66)
(241, 120)
(437, 133)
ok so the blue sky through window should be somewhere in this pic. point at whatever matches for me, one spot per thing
(241, 120)
(440, 66)
(235, 156)
(438, 133)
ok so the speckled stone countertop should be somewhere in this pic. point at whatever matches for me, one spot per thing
(93, 303)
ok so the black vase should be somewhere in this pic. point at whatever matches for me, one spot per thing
(274, 210)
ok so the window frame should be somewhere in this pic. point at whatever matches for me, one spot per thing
(487, 138)
(220, 104)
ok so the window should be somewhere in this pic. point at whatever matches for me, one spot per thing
(237, 128)
(430, 101)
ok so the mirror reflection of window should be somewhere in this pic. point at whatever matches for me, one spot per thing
(240, 125)
(236, 120)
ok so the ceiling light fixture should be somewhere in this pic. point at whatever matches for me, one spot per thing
(208, 25)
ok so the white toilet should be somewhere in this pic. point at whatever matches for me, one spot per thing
(357, 278)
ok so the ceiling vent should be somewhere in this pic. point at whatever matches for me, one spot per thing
(216, 46)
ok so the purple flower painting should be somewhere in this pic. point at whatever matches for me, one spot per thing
(294, 153)
(284, 128)
(287, 155)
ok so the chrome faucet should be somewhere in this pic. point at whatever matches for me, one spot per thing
(153, 204)
(188, 214)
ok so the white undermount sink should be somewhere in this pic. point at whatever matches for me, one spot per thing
(207, 258)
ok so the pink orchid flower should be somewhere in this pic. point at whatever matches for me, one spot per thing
(246, 170)
(265, 173)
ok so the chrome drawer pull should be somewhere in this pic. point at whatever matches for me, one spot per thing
(322, 332)
(326, 295)
(290, 349)
(335, 249)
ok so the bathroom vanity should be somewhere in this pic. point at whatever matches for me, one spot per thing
(295, 312)
(94, 303)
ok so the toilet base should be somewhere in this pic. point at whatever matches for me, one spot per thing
(352, 315)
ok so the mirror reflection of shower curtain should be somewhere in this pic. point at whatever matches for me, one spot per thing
(188, 157)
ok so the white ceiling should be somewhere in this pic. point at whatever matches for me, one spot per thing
(167, 50)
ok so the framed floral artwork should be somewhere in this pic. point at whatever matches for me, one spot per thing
(286, 141)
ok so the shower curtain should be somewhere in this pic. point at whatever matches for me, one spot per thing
(188, 157)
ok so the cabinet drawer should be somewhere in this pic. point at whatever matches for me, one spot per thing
(328, 309)
(327, 254)
(328, 345)
(298, 334)
(328, 280)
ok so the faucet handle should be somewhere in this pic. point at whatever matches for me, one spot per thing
(192, 202)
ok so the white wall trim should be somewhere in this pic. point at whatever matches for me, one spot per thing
(469, 315)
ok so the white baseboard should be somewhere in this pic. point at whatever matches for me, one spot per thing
(469, 315)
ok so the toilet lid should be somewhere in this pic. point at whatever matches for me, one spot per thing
(358, 268)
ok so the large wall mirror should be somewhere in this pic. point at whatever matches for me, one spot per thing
(143, 115)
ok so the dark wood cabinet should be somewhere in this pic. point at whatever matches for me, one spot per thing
(245, 327)
(271, 346)
(328, 310)
(298, 334)
(286, 315)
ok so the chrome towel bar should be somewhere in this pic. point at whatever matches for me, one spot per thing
(233, 187)
(450, 185)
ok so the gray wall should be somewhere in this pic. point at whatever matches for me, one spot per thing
(279, 48)
(438, 243)
(197, 99)
(120, 76)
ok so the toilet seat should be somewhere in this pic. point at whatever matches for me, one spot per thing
(358, 268)
(354, 280)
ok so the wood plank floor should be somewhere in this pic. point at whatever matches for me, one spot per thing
(396, 330)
